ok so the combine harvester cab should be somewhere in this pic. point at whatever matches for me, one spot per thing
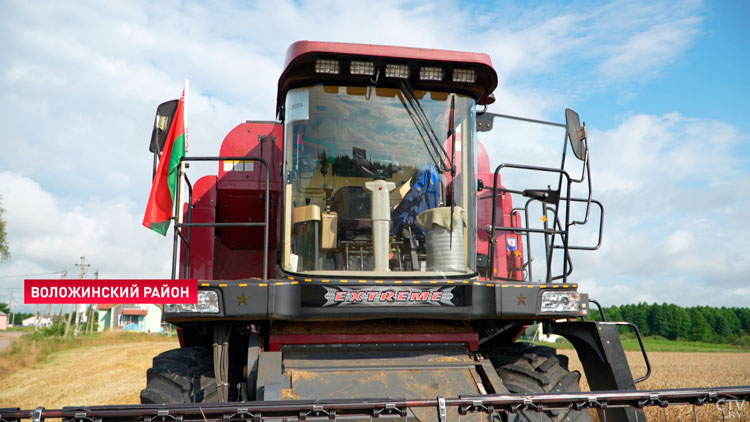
(359, 258)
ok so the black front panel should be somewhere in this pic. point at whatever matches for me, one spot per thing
(335, 299)
(341, 295)
(365, 299)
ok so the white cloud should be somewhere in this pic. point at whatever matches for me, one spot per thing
(680, 241)
(46, 234)
(650, 49)
(674, 223)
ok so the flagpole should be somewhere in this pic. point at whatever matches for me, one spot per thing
(181, 173)
(185, 114)
(181, 170)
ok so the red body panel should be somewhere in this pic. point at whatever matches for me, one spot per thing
(237, 195)
(201, 238)
(509, 254)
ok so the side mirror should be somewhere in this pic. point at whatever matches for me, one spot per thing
(162, 122)
(576, 133)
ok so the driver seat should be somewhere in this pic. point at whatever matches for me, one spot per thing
(352, 205)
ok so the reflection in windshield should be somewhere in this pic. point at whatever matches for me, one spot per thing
(338, 141)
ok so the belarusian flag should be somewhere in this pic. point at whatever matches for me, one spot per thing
(161, 200)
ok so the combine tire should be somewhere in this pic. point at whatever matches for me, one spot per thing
(183, 375)
(527, 369)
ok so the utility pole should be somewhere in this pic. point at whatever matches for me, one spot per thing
(36, 318)
(12, 315)
(90, 319)
(82, 265)
(48, 314)
(60, 314)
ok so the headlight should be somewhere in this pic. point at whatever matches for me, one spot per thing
(396, 71)
(326, 66)
(464, 75)
(208, 303)
(560, 301)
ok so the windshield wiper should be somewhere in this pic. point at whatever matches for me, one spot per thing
(452, 135)
(422, 123)
(435, 160)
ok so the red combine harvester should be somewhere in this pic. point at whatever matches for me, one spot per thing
(360, 259)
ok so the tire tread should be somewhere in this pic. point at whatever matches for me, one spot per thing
(182, 375)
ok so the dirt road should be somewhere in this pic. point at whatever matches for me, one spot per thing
(7, 337)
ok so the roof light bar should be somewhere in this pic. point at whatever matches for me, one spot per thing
(464, 75)
(397, 71)
(431, 73)
(326, 66)
(362, 68)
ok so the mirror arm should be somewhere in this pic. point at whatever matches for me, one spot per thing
(587, 169)
(588, 202)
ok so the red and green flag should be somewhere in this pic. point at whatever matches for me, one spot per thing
(161, 200)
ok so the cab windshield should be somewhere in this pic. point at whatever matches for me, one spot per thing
(375, 185)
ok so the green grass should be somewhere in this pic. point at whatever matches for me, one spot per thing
(36, 347)
(660, 344)
(20, 328)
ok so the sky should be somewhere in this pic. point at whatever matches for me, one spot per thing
(661, 85)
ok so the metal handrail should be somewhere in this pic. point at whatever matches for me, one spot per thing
(546, 231)
(189, 224)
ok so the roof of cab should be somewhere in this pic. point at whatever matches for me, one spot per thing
(300, 49)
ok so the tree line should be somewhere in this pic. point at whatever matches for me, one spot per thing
(697, 323)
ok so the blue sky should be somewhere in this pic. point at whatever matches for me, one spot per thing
(709, 79)
(662, 86)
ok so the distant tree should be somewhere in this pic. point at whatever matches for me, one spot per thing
(734, 325)
(723, 321)
(4, 308)
(700, 329)
(20, 316)
(613, 313)
(4, 249)
(698, 323)
(660, 321)
(679, 322)
(638, 315)
(743, 314)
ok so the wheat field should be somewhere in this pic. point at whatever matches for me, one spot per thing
(115, 374)
(685, 370)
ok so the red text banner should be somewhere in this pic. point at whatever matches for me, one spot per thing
(110, 291)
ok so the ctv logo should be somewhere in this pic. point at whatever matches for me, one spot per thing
(388, 296)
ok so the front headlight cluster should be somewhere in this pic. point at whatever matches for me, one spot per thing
(560, 301)
(208, 303)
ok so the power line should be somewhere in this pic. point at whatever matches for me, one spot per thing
(29, 275)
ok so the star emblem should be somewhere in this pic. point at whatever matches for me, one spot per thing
(242, 300)
(521, 299)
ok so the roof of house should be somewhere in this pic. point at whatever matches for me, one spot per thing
(135, 311)
(105, 306)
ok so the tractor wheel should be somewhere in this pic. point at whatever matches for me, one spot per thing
(184, 375)
(527, 369)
